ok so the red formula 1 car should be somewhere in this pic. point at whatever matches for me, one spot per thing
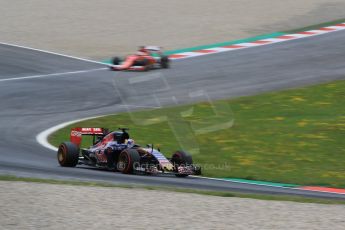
(117, 152)
(146, 58)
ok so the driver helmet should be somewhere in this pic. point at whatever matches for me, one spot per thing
(130, 143)
(143, 51)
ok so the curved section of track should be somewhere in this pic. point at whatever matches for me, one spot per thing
(69, 89)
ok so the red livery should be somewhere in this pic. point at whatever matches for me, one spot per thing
(146, 58)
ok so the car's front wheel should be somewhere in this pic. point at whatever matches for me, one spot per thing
(127, 160)
(165, 62)
(181, 158)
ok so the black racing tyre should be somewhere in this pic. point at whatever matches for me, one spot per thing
(116, 61)
(68, 154)
(127, 160)
(181, 158)
(165, 62)
(146, 64)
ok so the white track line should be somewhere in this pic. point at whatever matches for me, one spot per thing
(42, 137)
(58, 54)
(267, 185)
(240, 182)
(51, 74)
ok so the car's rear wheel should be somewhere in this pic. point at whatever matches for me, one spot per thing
(181, 158)
(127, 160)
(165, 62)
(68, 154)
(146, 64)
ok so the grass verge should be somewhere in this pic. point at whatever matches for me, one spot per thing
(169, 189)
(293, 136)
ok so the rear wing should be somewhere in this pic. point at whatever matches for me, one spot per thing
(78, 132)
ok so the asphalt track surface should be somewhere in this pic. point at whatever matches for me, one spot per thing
(54, 92)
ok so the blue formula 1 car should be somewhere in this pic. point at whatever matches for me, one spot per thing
(116, 151)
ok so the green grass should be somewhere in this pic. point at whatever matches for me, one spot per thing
(317, 26)
(169, 189)
(294, 136)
